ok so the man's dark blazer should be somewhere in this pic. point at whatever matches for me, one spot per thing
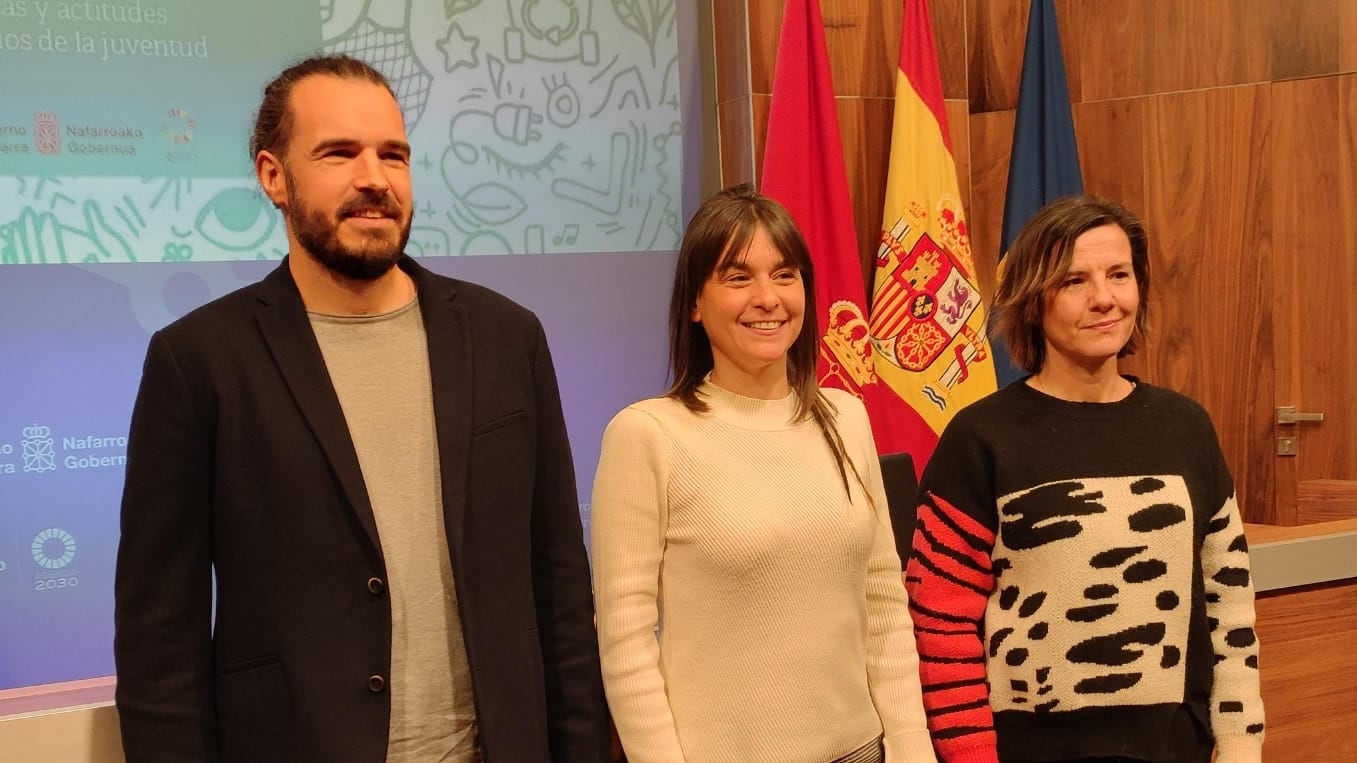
(240, 462)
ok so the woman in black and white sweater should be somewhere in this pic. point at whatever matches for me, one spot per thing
(1080, 580)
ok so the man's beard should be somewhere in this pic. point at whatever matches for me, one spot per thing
(318, 233)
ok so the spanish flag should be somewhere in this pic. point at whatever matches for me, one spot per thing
(927, 323)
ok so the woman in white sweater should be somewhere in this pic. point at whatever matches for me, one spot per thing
(750, 604)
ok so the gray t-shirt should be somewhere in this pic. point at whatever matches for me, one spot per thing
(379, 366)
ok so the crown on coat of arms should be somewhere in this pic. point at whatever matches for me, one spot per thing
(952, 233)
(847, 339)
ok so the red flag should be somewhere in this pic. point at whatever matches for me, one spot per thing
(928, 322)
(803, 169)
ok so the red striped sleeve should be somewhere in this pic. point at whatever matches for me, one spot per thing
(949, 580)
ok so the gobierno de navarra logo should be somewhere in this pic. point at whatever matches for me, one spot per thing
(39, 453)
(47, 133)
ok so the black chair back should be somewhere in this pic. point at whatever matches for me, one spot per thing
(902, 494)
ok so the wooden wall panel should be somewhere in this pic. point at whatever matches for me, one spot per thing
(1207, 43)
(1104, 45)
(761, 103)
(949, 27)
(1208, 204)
(1128, 48)
(737, 141)
(1325, 501)
(765, 27)
(735, 129)
(863, 39)
(731, 32)
(1305, 44)
(991, 145)
(1347, 37)
(1143, 47)
(1307, 664)
(1112, 146)
(994, 42)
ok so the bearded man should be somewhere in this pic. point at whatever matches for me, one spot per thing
(349, 528)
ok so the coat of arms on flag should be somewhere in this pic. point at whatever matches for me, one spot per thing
(927, 321)
(925, 300)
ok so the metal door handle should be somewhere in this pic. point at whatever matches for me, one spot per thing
(1287, 414)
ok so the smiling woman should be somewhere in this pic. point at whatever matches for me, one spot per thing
(1078, 300)
(752, 310)
(1080, 571)
(1089, 316)
(743, 516)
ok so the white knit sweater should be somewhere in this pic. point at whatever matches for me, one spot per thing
(786, 636)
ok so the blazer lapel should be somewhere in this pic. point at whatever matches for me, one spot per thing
(451, 369)
(287, 331)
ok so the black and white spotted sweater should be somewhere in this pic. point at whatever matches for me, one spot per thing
(1080, 585)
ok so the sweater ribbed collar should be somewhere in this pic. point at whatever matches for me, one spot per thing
(1049, 405)
(748, 412)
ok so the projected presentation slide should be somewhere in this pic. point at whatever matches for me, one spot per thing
(538, 125)
(545, 129)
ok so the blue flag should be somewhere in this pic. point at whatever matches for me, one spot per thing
(1045, 158)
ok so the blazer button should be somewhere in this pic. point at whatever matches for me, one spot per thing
(376, 586)
(376, 684)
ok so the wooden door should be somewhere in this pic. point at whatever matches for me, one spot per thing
(1315, 275)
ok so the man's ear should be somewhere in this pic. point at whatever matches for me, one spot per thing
(269, 169)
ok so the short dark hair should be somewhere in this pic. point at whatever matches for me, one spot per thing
(717, 237)
(1036, 265)
(273, 121)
